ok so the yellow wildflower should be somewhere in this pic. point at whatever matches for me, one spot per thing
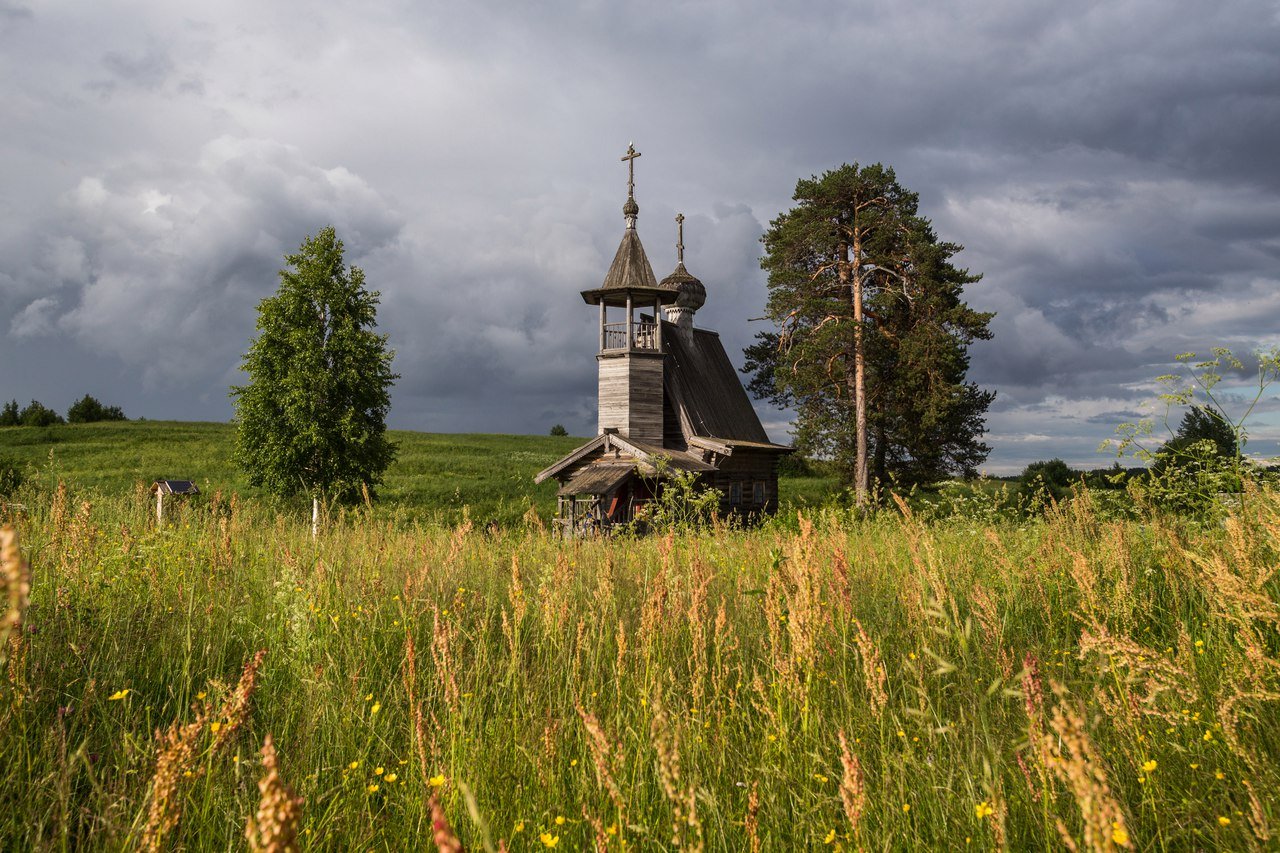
(377, 706)
(1119, 835)
(377, 771)
(119, 694)
(201, 695)
(613, 829)
(391, 778)
(436, 781)
(549, 840)
(983, 809)
(519, 827)
(353, 765)
(215, 726)
(368, 697)
(831, 836)
(372, 788)
(1225, 821)
(1218, 774)
(1148, 766)
(906, 807)
(559, 820)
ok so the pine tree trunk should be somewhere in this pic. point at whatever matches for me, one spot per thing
(859, 380)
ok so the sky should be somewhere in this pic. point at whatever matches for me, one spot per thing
(1110, 167)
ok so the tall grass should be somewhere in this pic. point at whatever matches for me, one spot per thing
(886, 683)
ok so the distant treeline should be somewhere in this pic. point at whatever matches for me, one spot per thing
(83, 411)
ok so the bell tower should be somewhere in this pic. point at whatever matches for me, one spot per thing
(630, 356)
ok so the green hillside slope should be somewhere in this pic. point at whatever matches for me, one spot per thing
(435, 473)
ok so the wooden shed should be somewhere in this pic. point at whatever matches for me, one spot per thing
(669, 399)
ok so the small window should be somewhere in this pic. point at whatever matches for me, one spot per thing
(735, 492)
(757, 492)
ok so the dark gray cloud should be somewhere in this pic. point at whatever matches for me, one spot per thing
(1109, 167)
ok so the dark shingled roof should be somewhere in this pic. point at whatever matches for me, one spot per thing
(596, 479)
(175, 487)
(703, 386)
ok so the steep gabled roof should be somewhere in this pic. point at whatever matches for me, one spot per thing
(647, 458)
(705, 390)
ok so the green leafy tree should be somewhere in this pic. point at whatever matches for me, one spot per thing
(559, 429)
(10, 414)
(1051, 473)
(88, 410)
(1203, 461)
(312, 418)
(1199, 424)
(872, 333)
(39, 415)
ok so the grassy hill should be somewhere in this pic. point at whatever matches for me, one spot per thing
(435, 473)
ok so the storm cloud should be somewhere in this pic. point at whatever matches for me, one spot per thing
(1109, 167)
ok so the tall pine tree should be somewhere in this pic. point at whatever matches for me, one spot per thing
(872, 337)
(312, 418)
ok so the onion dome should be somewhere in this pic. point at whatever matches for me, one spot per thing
(690, 292)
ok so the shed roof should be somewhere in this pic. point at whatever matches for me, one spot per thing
(175, 487)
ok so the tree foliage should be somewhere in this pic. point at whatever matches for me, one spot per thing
(37, 414)
(858, 225)
(89, 410)
(10, 414)
(1199, 424)
(312, 418)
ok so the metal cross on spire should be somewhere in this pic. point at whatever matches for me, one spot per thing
(630, 159)
(680, 238)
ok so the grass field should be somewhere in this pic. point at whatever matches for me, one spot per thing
(435, 474)
(878, 684)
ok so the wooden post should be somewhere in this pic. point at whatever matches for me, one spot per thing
(604, 318)
(315, 518)
(630, 337)
(159, 507)
(657, 323)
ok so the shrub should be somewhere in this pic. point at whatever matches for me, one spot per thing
(10, 477)
(559, 429)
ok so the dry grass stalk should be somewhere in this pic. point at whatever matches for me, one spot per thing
(1258, 821)
(415, 707)
(653, 612)
(1075, 761)
(873, 674)
(607, 759)
(752, 821)
(173, 763)
(697, 618)
(444, 635)
(442, 833)
(1150, 671)
(519, 604)
(686, 829)
(235, 711)
(275, 829)
(597, 826)
(15, 582)
(853, 787)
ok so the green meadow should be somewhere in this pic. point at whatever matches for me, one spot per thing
(1068, 680)
(435, 475)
